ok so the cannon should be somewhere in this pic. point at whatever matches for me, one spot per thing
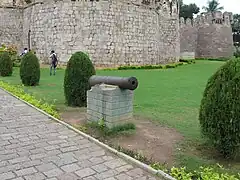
(130, 83)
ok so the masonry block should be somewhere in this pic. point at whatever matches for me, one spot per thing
(110, 103)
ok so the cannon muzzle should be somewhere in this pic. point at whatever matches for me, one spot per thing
(130, 83)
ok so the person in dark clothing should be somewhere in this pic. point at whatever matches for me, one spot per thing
(54, 62)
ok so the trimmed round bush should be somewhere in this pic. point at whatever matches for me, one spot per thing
(30, 70)
(220, 109)
(79, 70)
(6, 64)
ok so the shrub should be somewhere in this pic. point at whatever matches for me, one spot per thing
(16, 61)
(6, 65)
(237, 54)
(220, 109)
(188, 61)
(30, 70)
(167, 66)
(79, 70)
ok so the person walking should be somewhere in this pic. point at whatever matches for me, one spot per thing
(54, 62)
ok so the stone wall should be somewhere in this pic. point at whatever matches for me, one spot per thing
(11, 26)
(112, 32)
(188, 39)
(11, 2)
(207, 36)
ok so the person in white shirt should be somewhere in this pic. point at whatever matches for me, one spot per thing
(25, 51)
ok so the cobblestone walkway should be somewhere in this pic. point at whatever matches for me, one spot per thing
(34, 147)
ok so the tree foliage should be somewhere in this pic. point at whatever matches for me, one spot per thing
(220, 109)
(187, 11)
(213, 6)
(236, 29)
(79, 70)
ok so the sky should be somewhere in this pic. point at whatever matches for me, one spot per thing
(229, 5)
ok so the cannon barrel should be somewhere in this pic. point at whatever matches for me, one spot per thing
(130, 83)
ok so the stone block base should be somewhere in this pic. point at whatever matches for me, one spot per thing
(110, 103)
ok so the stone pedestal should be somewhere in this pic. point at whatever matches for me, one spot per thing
(110, 103)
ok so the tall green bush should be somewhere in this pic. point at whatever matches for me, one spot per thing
(6, 65)
(79, 70)
(30, 70)
(220, 109)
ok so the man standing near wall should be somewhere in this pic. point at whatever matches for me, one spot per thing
(54, 62)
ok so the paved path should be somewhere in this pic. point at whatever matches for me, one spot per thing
(34, 147)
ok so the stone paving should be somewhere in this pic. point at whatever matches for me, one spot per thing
(34, 147)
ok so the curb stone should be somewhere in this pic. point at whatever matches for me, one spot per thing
(131, 160)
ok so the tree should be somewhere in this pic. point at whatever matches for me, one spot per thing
(236, 23)
(236, 33)
(6, 64)
(236, 29)
(213, 6)
(79, 70)
(30, 70)
(219, 114)
(187, 11)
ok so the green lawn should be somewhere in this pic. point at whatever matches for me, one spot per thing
(170, 96)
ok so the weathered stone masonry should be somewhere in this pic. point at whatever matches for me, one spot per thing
(207, 36)
(11, 26)
(120, 32)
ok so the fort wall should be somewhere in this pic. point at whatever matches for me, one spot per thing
(207, 36)
(11, 26)
(114, 33)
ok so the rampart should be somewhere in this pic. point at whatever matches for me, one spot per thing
(207, 36)
(11, 26)
(120, 32)
(113, 33)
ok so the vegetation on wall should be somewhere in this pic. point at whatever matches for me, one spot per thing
(28, 1)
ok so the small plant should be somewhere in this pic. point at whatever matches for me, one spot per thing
(134, 154)
(188, 61)
(12, 51)
(237, 53)
(116, 130)
(30, 70)
(180, 173)
(219, 114)
(6, 65)
(79, 70)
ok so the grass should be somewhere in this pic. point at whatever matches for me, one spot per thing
(104, 131)
(170, 96)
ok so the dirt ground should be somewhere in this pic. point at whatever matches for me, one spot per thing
(150, 139)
